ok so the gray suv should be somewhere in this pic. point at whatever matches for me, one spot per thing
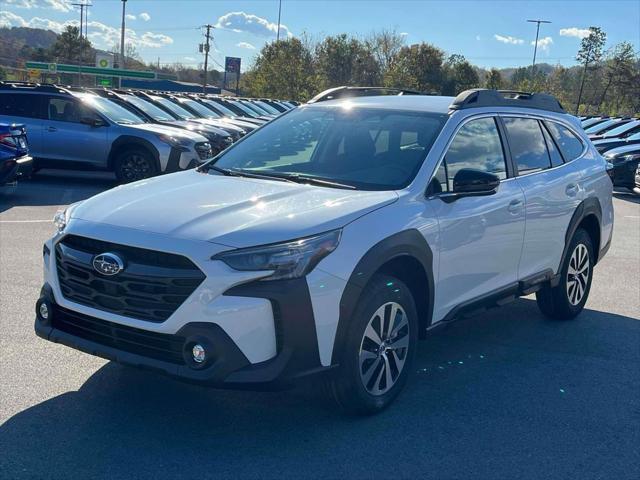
(84, 131)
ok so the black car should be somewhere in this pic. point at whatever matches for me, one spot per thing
(636, 189)
(625, 161)
(607, 144)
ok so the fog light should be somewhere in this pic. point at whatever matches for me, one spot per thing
(43, 310)
(199, 354)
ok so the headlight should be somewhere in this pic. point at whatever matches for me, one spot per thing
(176, 142)
(61, 218)
(286, 260)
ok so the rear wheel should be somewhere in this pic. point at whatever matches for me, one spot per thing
(133, 165)
(567, 299)
(379, 348)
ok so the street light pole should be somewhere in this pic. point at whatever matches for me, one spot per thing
(279, 12)
(535, 45)
(122, 61)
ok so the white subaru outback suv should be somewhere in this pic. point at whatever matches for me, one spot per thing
(330, 240)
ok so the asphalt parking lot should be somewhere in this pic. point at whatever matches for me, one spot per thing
(507, 394)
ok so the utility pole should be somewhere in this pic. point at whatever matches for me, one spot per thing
(279, 12)
(86, 20)
(206, 57)
(122, 60)
(80, 51)
(535, 46)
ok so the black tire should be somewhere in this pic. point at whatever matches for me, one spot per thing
(560, 302)
(346, 385)
(134, 164)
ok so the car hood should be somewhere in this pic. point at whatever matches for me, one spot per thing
(200, 127)
(167, 130)
(232, 211)
(614, 152)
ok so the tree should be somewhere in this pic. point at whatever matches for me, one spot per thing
(494, 79)
(385, 45)
(282, 69)
(459, 75)
(69, 47)
(619, 73)
(341, 60)
(418, 67)
(590, 52)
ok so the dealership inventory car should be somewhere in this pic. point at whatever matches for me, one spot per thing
(636, 188)
(14, 153)
(602, 128)
(606, 144)
(331, 239)
(79, 130)
(622, 130)
(625, 160)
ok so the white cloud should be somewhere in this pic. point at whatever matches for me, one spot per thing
(575, 32)
(544, 43)
(190, 59)
(103, 36)
(246, 45)
(59, 5)
(144, 16)
(404, 34)
(130, 17)
(245, 22)
(478, 37)
(508, 39)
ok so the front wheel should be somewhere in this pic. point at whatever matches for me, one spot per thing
(567, 299)
(379, 348)
(133, 165)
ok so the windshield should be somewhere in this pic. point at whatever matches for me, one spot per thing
(111, 110)
(174, 108)
(220, 108)
(149, 108)
(369, 149)
(614, 132)
(253, 107)
(267, 107)
(244, 108)
(200, 109)
(601, 126)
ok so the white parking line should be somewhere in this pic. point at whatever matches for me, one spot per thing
(25, 221)
(632, 216)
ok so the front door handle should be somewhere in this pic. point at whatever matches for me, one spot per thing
(52, 129)
(515, 206)
(571, 190)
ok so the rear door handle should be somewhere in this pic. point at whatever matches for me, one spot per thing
(52, 129)
(571, 190)
(515, 206)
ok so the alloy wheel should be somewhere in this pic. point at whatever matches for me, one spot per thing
(135, 167)
(578, 274)
(384, 348)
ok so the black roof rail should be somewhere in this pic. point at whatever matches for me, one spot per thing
(40, 87)
(480, 97)
(348, 92)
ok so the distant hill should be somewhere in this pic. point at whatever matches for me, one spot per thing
(32, 37)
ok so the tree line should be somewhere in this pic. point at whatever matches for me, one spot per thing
(604, 81)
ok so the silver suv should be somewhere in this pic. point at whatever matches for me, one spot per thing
(84, 131)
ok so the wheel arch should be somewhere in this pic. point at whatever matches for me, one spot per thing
(405, 255)
(126, 142)
(588, 216)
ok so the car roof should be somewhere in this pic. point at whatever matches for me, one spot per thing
(420, 103)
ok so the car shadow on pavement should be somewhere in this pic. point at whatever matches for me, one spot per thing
(627, 195)
(56, 187)
(503, 395)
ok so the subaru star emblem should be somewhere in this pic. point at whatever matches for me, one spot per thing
(108, 264)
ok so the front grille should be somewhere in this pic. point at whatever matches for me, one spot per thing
(159, 346)
(204, 151)
(151, 287)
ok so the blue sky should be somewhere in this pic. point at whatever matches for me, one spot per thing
(488, 33)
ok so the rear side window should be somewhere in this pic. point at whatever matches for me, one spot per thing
(570, 146)
(19, 105)
(554, 153)
(528, 148)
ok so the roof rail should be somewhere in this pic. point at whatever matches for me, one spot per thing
(40, 87)
(348, 92)
(480, 97)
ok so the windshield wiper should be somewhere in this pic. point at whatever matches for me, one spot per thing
(223, 171)
(301, 178)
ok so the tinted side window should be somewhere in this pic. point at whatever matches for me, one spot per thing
(570, 145)
(65, 110)
(554, 153)
(477, 145)
(528, 148)
(19, 105)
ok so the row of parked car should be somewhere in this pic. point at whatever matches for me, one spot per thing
(618, 140)
(136, 134)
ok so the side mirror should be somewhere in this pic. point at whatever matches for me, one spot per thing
(475, 182)
(92, 122)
